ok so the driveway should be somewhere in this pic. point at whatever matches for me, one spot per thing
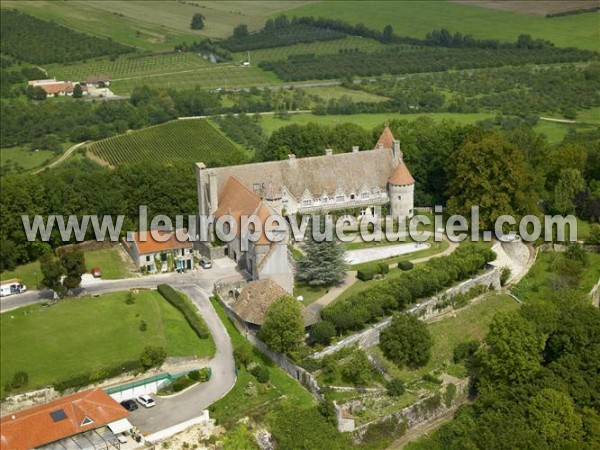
(187, 405)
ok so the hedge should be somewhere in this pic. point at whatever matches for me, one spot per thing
(384, 268)
(188, 311)
(365, 274)
(87, 378)
(382, 299)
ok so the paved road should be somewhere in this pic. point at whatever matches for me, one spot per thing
(189, 404)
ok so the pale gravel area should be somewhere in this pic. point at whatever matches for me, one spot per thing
(388, 251)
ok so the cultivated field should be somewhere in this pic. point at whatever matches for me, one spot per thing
(179, 140)
(156, 25)
(538, 7)
(80, 335)
(418, 17)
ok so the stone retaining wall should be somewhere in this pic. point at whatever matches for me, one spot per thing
(425, 310)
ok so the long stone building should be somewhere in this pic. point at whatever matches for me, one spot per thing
(356, 180)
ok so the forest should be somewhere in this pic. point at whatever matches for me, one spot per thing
(36, 41)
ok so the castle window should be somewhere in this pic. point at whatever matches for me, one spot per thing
(307, 202)
(352, 197)
(399, 197)
(339, 199)
(324, 200)
(365, 195)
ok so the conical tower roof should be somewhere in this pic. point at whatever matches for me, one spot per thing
(386, 138)
(401, 175)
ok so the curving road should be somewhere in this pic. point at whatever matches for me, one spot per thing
(187, 405)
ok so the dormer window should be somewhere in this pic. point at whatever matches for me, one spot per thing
(365, 195)
(324, 200)
(307, 202)
(339, 199)
(86, 421)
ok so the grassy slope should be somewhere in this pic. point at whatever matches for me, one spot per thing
(109, 261)
(29, 274)
(77, 335)
(236, 404)
(417, 18)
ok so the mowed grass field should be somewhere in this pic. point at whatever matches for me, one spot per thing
(418, 17)
(191, 140)
(88, 334)
(153, 25)
(270, 123)
(110, 261)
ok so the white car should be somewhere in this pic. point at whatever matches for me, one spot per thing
(146, 401)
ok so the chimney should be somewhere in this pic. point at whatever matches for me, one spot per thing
(355, 149)
(292, 157)
(396, 150)
(328, 152)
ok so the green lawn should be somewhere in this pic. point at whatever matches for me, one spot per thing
(28, 274)
(22, 158)
(538, 283)
(109, 261)
(310, 293)
(271, 123)
(86, 334)
(468, 323)
(417, 18)
(236, 404)
(329, 92)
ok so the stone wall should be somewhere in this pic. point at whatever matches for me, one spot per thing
(211, 251)
(425, 310)
(423, 411)
(298, 373)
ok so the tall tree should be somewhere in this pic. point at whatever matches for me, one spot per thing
(240, 31)
(197, 22)
(73, 262)
(323, 262)
(489, 172)
(52, 271)
(283, 329)
(406, 341)
(570, 183)
(77, 91)
(388, 34)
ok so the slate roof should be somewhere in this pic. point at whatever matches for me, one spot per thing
(35, 426)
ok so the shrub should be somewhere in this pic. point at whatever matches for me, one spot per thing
(449, 395)
(395, 387)
(242, 355)
(464, 351)
(322, 332)
(431, 378)
(505, 275)
(143, 325)
(153, 357)
(130, 299)
(365, 274)
(204, 374)
(384, 268)
(261, 373)
(191, 315)
(406, 342)
(19, 379)
(405, 265)
(181, 383)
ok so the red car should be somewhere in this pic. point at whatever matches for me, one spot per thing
(96, 272)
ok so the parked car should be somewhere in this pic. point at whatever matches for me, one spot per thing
(11, 287)
(129, 405)
(96, 272)
(205, 263)
(146, 401)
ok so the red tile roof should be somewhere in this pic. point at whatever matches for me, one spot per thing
(146, 243)
(57, 88)
(386, 138)
(401, 175)
(35, 426)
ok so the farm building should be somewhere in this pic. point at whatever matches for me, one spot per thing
(53, 86)
(98, 80)
(169, 250)
(89, 419)
(356, 180)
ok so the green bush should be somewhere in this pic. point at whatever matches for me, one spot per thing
(405, 265)
(365, 274)
(395, 387)
(464, 351)
(153, 357)
(181, 383)
(188, 311)
(431, 378)
(322, 332)
(19, 379)
(77, 381)
(242, 355)
(505, 275)
(261, 373)
(384, 268)
(449, 395)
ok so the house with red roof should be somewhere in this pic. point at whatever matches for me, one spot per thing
(88, 419)
(161, 251)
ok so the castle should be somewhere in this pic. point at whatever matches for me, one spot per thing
(356, 180)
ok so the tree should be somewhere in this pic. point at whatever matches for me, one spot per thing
(52, 271)
(73, 262)
(513, 350)
(322, 264)
(395, 387)
(570, 183)
(35, 93)
(240, 31)
(322, 332)
(406, 341)
(242, 355)
(357, 369)
(489, 172)
(153, 357)
(283, 329)
(197, 22)
(552, 414)
(77, 91)
(388, 34)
